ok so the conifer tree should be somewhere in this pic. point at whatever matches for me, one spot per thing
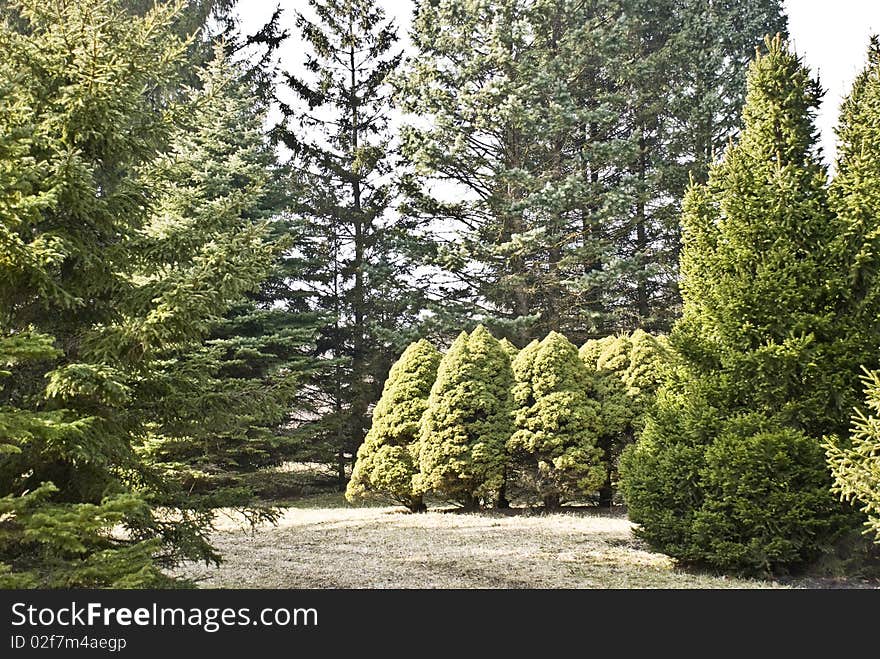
(557, 423)
(567, 130)
(855, 197)
(627, 371)
(592, 350)
(229, 399)
(729, 471)
(94, 302)
(509, 348)
(468, 422)
(650, 359)
(388, 460)
(855, 201)
(355, 256)
(856, 464)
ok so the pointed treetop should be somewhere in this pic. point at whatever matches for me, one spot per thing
(509, 348)
(781, 104)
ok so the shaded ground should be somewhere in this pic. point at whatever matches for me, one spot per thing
(345, 547)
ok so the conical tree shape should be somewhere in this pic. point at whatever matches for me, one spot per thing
(856, 466)
(509, 348)
(729, 470)
(557, 422)
(468, 421)
(95, 304)
(649, 360)
(855, 198)
(387, 460)
(615, 355)
(627, 371)
(592, 350)
(855, 195)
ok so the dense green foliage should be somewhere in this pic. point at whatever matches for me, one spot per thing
(354, 255)
(626, 371)
(189, 295)
(109, 273)
(557, 422)
(223, 403)
(565, 132)
(729, 471)
(467, 424)
(855, 196)
(856, 465)
(388, 459)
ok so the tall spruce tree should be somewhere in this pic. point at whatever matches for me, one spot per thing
(228, 401)
(94, 304)
(355, 254)
(729, 471)
(562, 131)
(557, 421)
(855, 197)
(468, 422)
(388, 460)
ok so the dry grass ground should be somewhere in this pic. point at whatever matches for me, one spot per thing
(330, 545)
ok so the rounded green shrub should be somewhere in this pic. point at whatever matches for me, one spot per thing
(555, 449)
(468, 421)
(387, 461)
(766, 505)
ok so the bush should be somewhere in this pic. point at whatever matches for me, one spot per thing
(554, 450)
(755, 499)
(387, 461)
(467, 424)
(767, 505)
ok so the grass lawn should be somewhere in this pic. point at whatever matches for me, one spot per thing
(322, 542)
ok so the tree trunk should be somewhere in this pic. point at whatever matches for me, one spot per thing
(361, 396)
(340, 470)
(416, 505)
(641, 235)
(606, 493)
(470, 503)
(551, 502)
(502, 503)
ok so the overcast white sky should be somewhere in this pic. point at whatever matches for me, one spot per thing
(832, 36)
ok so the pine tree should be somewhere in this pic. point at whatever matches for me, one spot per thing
(563, 128)
(557, 423)
(494, 81)
(729, 471)
(509, 348)
(712, 47)
(355, 256)
(650, 359)
(626, 371)
(855, 200)
(387, 461)
(94, 302)
(468, 422)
